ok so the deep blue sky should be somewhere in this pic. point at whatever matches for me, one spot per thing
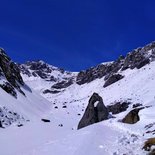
(75, 34)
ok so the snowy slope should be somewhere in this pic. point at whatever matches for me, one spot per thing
(129, 139)
(17, 99)
(65, 109)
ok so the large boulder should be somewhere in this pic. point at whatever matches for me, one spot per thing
(95, 112)
(112, 79)
(148, 144)
(118, 107)
(132, 117)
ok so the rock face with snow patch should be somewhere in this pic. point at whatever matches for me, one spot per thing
(10, 71)
(57, 77)
(44, 71)
(9, 88)
(118, 107)
(134, 59)
(8, 117)
(99, 71)
(112, 79)
(95, 112)
(63, 84)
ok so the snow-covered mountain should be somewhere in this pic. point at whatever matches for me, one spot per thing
(44, 105)
(18, 102)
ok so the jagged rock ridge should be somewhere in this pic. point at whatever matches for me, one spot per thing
(10, 75)
(111, 71)
(134, 59)
(58, 78)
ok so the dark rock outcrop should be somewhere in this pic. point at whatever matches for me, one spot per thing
(37, 68)
(118, 107)
(137, 105)
(112, 79)
(46, 120)
(148, 144)
(63, 84)
(8, 117)
(94, 113)
(99, 71)
(1, 126)
(60, 79)
(11, 72)
(9, 89)
(132, 117)
(41, 69)
(135, 59)
(152, 152)
(47, 91)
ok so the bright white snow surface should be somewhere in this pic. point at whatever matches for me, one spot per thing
(61, 136)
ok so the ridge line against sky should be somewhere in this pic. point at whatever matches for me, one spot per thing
(75, 35)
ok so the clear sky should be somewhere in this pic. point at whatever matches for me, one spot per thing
(75, 34)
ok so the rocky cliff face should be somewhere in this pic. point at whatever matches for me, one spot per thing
(134, 59)
(57, 78)
(41, 69)
(111, 71)
(99, 71)
(10, 78)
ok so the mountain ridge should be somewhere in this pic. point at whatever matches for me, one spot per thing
(61, 98)
(111, 71)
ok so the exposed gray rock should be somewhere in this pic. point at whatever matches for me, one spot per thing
(91, 74)
(118, 107)
(137, 105)
(46, 120)
(38, 68)
(11, 72)
(9, 89)
(8, 117)
(52, 78)
(135, 59)
(51, 91)
(112, 79)
(94, 113)
(24, 70)
(64, 106)
(63, 84)
(99, 71)
(43, 70)
(41, 74)
(59, 78)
